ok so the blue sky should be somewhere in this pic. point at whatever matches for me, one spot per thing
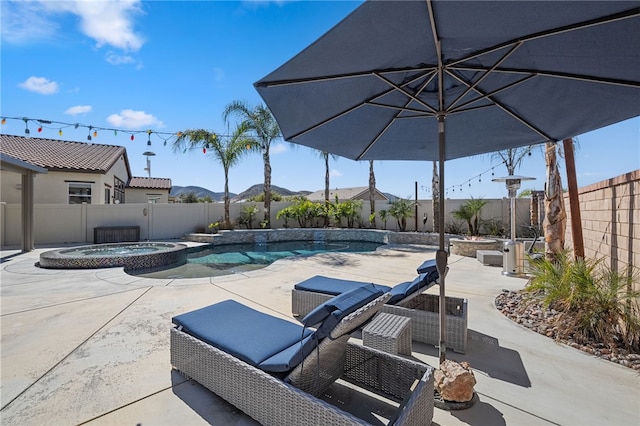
(170, 66)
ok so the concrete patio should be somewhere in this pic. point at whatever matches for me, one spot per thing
(92, 346)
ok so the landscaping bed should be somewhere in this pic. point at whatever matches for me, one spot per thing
(522, 309)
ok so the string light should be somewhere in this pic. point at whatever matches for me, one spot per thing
(94, 130)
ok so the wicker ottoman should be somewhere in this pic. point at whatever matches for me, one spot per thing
(389, 333)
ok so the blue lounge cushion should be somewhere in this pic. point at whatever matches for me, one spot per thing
(427, 266)
(326, 315)
(419, 284)
(332, 286)
(245, 333)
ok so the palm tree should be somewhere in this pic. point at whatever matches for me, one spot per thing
(435, 197)
(325, 156)
(264, 130)
(372, 195)
(555, 216)
(513, 157)
(470, 212)
(228, 151)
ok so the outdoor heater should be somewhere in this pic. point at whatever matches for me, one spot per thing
(513, 251)
(148, 168)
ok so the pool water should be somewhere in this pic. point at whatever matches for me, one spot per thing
(210, 260)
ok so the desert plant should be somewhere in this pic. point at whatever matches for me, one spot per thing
(470, 212)
(454, 227)
(401, 209)
(384, 216)
(285, 214)
(494, 227)
(594, 300)
(247, 215)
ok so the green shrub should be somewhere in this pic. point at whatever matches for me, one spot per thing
(594, 301)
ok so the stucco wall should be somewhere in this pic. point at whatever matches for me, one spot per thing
(610, 213)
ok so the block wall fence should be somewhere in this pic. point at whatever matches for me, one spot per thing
(610, 216)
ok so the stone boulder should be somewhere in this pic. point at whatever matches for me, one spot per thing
(454, 381)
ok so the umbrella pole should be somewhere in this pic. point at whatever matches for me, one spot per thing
(441, 254)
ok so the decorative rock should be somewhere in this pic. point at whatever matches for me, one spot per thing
(455, 381)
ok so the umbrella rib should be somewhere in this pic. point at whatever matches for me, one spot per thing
(485, 74)
(462, 106)
(409, 95)
(353, 108)
(367, 73)
(397, 116)
(631, 13)
(579, 77)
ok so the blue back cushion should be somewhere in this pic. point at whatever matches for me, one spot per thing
(427, 266)
(333, 286)
(243, 332)
(419, 284)
(328, 314)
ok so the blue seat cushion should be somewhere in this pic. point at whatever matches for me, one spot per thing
(245, 333)
(427, 266)
(332, 286)
(326, 315)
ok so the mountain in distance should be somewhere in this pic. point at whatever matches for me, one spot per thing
(252, 191)
(200, 192)
(259, 189)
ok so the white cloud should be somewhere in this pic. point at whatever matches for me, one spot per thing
(115, 59)
(39, 85)
(278, 148)
(108, 22)
(23, 21)
(130, 119)
(78, 109)
(335, 173)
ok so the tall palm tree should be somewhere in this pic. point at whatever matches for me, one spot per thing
(435, 197)
(227, 150)
(372, 195)
(325, 157)
(555, 216)
(263, 128)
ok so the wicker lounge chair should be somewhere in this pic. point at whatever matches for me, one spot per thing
(408, 300)
(211, 346)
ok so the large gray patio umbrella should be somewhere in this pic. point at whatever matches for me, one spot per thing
(382, 84)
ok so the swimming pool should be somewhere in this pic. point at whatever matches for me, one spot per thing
(225, 259)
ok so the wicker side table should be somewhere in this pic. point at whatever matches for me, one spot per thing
(389, 333)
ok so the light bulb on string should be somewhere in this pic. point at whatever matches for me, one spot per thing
(4, 121)
(60, 132)
(89, 135)
(132, 137)
(40, 129)
(148, 137)
(95, 133)
(26, 126)
(479, 178)
(115, 132)
(204, 150)
(492, 173)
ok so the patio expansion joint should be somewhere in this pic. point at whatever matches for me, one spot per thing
(76, 348)
(68, 302)
(551, 422)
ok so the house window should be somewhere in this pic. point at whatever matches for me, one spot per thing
(118, 191)
(107, 196)
(79, 192)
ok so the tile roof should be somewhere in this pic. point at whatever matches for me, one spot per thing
(57, 155)
(150, 183)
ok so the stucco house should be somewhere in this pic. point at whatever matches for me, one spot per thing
(343, 194)
(77, 172)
